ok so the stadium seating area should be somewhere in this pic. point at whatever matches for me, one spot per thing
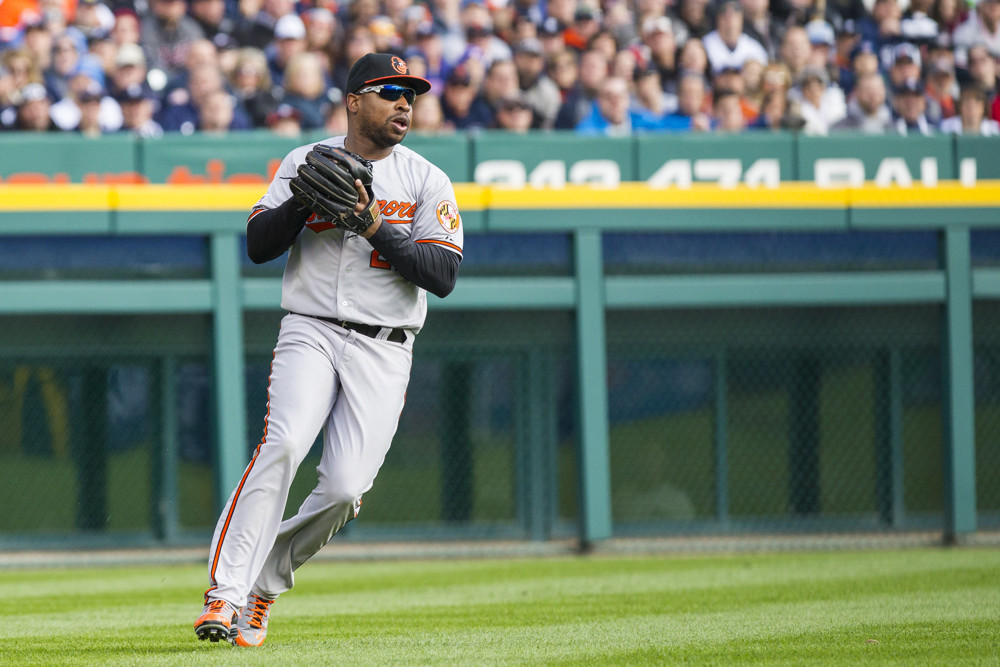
(601, 68)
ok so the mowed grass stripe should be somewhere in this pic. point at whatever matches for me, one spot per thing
(786, 607)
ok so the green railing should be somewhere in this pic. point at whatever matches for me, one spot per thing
(587, 293)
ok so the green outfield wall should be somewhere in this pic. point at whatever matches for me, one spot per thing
(809, 358)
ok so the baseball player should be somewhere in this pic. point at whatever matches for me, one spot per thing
(370, 227)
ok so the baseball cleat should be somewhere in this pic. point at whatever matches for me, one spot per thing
(216, 620)
(250, 628)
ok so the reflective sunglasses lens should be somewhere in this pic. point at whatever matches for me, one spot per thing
(393, 93)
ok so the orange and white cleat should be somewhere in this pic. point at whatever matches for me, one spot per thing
(250, 628)
(216, 621)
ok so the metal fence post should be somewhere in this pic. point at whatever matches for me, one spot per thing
(592, 373)
(228, 364)
(959, 395)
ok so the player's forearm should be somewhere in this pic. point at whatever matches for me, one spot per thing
(272, 231)
(424, 264)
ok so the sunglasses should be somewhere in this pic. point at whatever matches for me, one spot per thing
(391, 92)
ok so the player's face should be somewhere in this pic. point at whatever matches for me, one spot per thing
(383, 122)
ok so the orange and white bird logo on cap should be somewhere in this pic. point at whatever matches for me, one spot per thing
(399, 65)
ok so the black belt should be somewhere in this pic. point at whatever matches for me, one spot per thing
(370, 330)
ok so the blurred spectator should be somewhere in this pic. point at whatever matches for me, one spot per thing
(909, 103)
(358, 42)
(948, 14)
(305, 89)
(981, 27)
(693, 57)
(886, 28)
(727, 113)
(85, 84)
(773, 110)
(65, 59)
(916, 25)
(428, 46)
(126, 29)
(21, 67)
(38, 40)
(456, 102)
(515, 113)
(796, 50)
(585, 25)
(971, 118)
(692, 92)
(138, 106)
(867, 111)
(695, 17)
(649, 98)
(427, 114)
(820, 102)
(941, 92)
(620, 21)
(903, 63)
(33, 110)
(983, 71)
(181, 111)
(624, 63)
(731, 79)
(387, 38)
(285, 121)
(256, 20)
(660, 48)
(592, 71)
(541, 92)
(728, 45)
(550, 34)
(753, 79)
(610, 115)
(8, 112)
(130, 69)
(252, 85)
(93, 18)
(762, 26)
(289, 41)
(562, 69)
(604, 42)
(216, 113)
(322, 29)
(823, 42)
(211, 16)
(500, 82)
(166, 33)
(88, 101)
(474, 40)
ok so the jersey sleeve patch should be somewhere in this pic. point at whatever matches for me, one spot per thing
(447, 215)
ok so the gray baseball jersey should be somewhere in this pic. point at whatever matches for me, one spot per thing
(331, 273)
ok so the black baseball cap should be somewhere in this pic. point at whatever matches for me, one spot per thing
(373, 69)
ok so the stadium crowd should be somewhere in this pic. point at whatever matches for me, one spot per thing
(607, 67)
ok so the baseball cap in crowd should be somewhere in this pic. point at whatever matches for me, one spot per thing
(134, 93)
(905, 50)
(459, 77)
(33, 92)
(515, 100)
(909, 87)
(373, 69)
(92, 92)
(811, 72)
(130, 55)
(530, 46)
(283, 112)
(550, 27)
(290, 26)
(730, 6)
(426, 29)
(820, 32)
(657, 24)
(587, 13)
(863, 47)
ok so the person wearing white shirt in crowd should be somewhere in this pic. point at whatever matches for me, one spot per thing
(867, 111)
(728, 45)
(820, 103)
(971, 117)
(981, 27)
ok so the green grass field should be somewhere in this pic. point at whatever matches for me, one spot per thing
(907, 607)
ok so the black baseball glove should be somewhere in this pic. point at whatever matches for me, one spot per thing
(325, 185)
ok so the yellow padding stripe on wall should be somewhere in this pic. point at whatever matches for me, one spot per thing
(471, 197)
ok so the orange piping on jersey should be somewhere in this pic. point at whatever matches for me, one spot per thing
(255, 212)
(444, 243)
(239, 489)
(397, 222)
